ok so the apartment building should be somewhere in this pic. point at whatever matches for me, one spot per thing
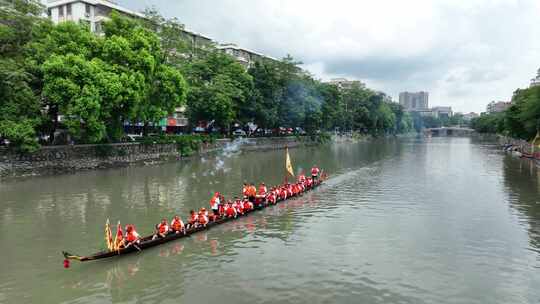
(414, 101)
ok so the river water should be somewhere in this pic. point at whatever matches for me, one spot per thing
(439, 220)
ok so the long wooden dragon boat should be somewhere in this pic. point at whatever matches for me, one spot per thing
(148, 242)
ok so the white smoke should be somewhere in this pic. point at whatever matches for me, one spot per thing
(233, 147)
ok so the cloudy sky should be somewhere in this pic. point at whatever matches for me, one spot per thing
(465, 53)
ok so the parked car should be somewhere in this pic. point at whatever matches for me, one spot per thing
(131, 137)
(239, 132)
(300, 131)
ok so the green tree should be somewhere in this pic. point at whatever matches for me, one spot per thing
(267, 93)
(60, 40)
(151, 88)
(20, 116)
(523, 117)
(98, 82)
(20, 113)
(219, 88)
(489, 123)
(332, 109)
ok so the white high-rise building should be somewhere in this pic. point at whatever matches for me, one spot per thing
(344, 83)
(244, 56)
(414, 101)
(92, 11)
(498, 106)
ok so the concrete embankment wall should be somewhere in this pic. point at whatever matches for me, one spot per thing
(64, 159)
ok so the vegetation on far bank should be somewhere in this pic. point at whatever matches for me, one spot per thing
(521, 120)
(63, 76)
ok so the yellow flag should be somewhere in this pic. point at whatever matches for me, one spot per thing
(288, 164)
(536, 140)
(108, 236)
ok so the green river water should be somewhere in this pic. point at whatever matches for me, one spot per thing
(439, 220)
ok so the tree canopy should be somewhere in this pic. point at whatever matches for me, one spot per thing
(65, 77)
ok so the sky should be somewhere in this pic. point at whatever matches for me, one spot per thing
(465, 53)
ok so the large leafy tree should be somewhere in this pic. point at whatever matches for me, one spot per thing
(151, 88)
(332, 109)
(47, 57)
(19, 103)
(20, 108)
(97, 83)
(264, 103)
(219, 87)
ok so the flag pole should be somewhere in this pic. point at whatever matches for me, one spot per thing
(286, 157)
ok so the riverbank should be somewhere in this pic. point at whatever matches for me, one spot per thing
(519, 145)
(67, 159)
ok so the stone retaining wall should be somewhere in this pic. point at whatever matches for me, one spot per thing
(63, 159)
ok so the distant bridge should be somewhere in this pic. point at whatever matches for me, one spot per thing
(452, 131)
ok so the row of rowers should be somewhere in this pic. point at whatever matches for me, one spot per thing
(253, 199)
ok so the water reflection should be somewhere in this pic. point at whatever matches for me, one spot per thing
(522, 180)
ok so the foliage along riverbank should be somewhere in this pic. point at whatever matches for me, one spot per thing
(63, 77)
(520, 121)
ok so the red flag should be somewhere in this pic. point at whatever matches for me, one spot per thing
(119, 239)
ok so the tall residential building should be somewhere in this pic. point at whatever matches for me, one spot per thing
(414, 101)
(497, 107)
(92, 11)
(345, 84)
(245, 56)
(469, 116)
(96, 11)
(442, 112)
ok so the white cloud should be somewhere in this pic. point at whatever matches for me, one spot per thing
(465, 53)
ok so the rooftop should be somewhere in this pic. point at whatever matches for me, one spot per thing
(53, 3)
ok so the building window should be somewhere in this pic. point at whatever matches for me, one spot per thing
(87, 11)
(97, 26)
(61, 11)
(68, 9)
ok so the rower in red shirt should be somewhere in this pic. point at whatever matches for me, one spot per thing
(221, 209)
(271, 198)
(193, 219)
(283, 193)
(214, 204)
(203, 217)
(248, 206)
(315, 173)
(239, 207)
(309, 182)
(132, 237)
(161, 229)
(262, 189)
(177, 225)
(230, 211)
(245, 190)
